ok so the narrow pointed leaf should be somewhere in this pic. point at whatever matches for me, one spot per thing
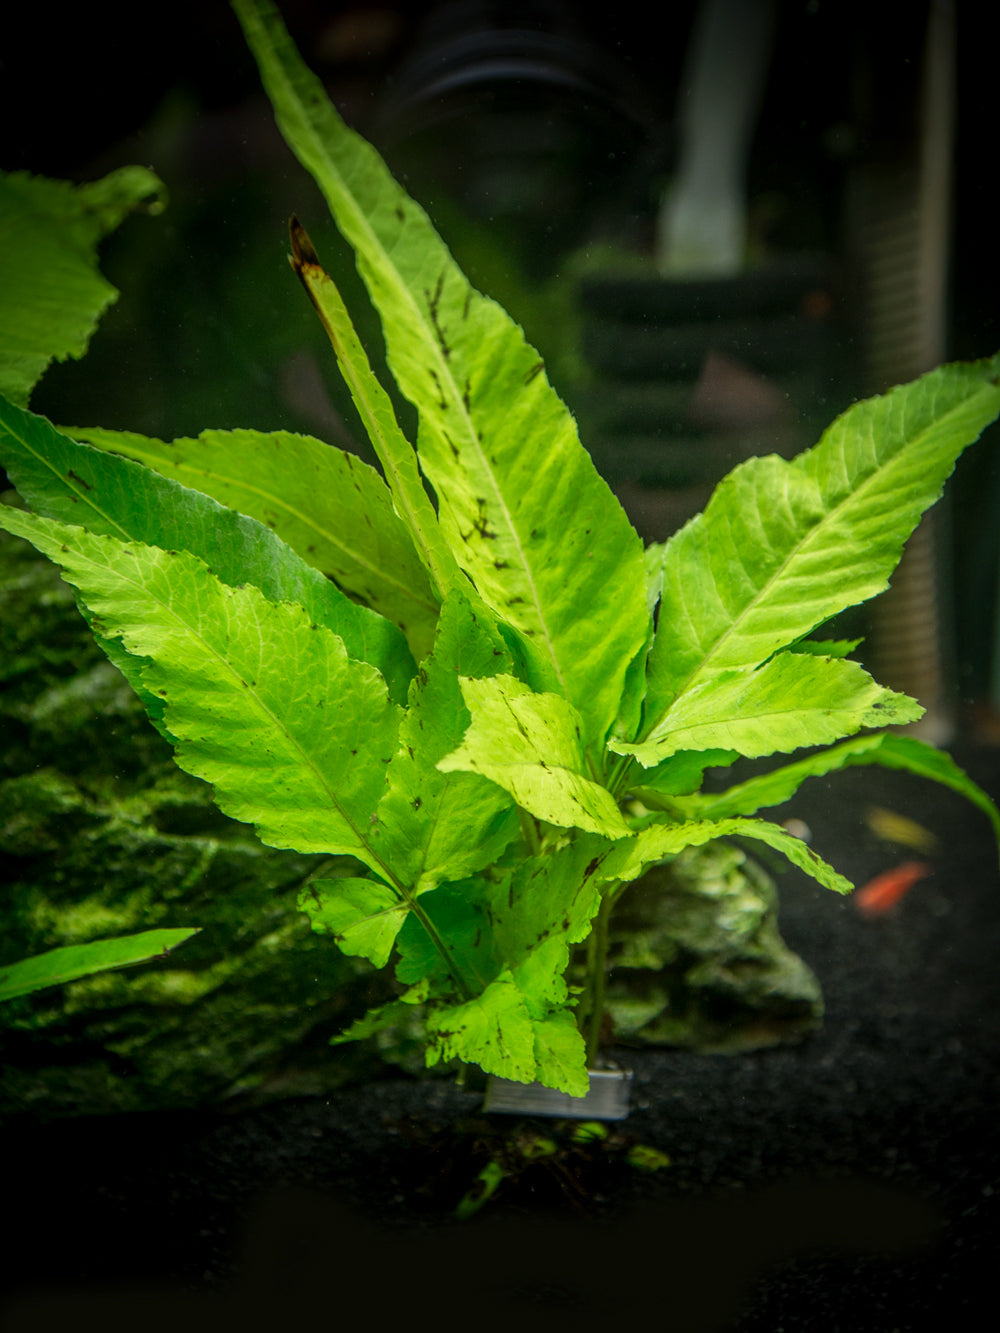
(628, 860)
(793, 701)
(82, 960)
(826, 647)
(76, 483)
(886, 749)
(376, 411)
(782, 547)
(383, 1016)
(531, 745)
(332, 509)
(299, 753)
(496, 443)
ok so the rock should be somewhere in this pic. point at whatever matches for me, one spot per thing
(697, 961)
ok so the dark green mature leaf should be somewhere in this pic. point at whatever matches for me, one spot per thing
(531, 745)
(680, 774)
(51, 291)
(782, 547)
(497, 444)
(332, 509)
(82, 960)
(300, 753)
(794, 700)
(435, 825)
(546, 897)
(78, 484)
(450, 945)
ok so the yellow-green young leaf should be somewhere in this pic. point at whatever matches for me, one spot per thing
(627, 860)
(434, 825)
(363, 915)
(332, 509)
(539, 977)
(260, 701)
(793, 701)
(82, 960)
(493, 1030)
(532, 746)
(51, 291)
(524, 511)
(782, 547)
(515, 1030)
(561, 1054)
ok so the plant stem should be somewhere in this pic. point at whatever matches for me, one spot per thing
(530, 831)
(592, 1010)
(620, 773)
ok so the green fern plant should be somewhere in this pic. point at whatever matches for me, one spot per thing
(497, 701)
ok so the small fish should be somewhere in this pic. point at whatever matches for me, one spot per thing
(885, 890)
(892, 827)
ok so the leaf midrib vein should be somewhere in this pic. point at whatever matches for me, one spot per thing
(828, 518)
(379, 572)
(442, 366)
(250, 692)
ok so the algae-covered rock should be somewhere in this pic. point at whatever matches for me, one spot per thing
(697, 961)
(102, 835)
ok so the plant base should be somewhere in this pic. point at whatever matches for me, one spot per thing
(607, 1099)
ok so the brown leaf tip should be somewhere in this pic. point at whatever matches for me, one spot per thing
(303, 251)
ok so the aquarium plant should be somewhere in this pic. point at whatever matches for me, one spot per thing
(465, 671)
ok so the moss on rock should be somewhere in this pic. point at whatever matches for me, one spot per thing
(697, 960)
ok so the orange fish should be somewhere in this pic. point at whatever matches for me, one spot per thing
(885, 890)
